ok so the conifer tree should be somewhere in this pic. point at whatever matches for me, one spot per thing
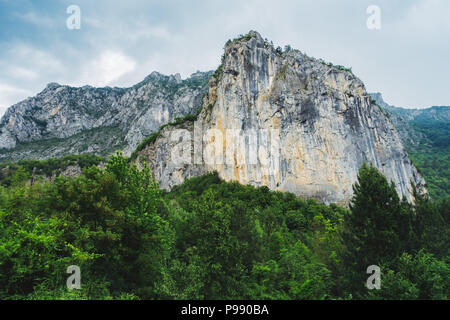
(374, 229)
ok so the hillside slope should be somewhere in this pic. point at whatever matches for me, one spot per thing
(426, 136)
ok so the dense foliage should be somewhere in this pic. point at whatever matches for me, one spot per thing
(210, 239)
(46, 167)
(433, 156)
(385, 231)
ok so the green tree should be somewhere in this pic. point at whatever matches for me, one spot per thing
(377, 228)
(431, 224)
(419, 276)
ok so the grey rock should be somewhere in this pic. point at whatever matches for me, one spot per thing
(405, 119)
(62, 120)
(300, 125)
(315, 125)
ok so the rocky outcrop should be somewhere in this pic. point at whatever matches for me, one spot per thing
(64, 120)
(286, 121)
(268, 118)
(406, 121)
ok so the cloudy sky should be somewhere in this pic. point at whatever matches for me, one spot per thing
(121, 42)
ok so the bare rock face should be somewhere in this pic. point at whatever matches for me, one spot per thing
(286, 121)
(64, 120)
(404, 121)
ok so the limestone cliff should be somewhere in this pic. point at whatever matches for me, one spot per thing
(63, 120)
(286, 121)
(409, 121)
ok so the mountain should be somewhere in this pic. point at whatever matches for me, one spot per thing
(282, 120)
(302, 125)
(64, 120)
(426, 136)
(411, 122)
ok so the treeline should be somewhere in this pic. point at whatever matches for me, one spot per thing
(44, 168)
(209, 239)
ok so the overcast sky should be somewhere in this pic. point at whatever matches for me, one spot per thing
(121, 42)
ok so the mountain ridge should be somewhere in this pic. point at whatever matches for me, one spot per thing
(426, 136)
(138, 113)
(61, 112)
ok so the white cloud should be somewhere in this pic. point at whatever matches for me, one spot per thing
(37, 59)
(427, 17)
(119, 44)
(109, 67)
(10, 95)
(25, 69)
(22, 73)
(36, 19)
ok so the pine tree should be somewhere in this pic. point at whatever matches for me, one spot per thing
(376, 229)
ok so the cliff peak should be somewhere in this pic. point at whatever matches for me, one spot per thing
(302, 126)
(52, 86)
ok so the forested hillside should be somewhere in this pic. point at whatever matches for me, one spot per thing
(209, 239)
(432, 157)
(426, 135)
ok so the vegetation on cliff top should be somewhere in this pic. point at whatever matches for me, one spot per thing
(152, 138)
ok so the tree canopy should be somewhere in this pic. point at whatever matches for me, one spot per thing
(210, 239)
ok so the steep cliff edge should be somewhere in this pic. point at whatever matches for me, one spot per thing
(409, 122)
(286, 121)
(425, 133)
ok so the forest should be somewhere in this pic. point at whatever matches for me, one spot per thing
(210, 239)
(432, 156)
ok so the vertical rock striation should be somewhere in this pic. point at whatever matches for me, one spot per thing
(64, 120)
(286, 121)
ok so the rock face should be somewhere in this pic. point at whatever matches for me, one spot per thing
(406, 120)
(64, 120)
(286, 121)
(268, 118)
